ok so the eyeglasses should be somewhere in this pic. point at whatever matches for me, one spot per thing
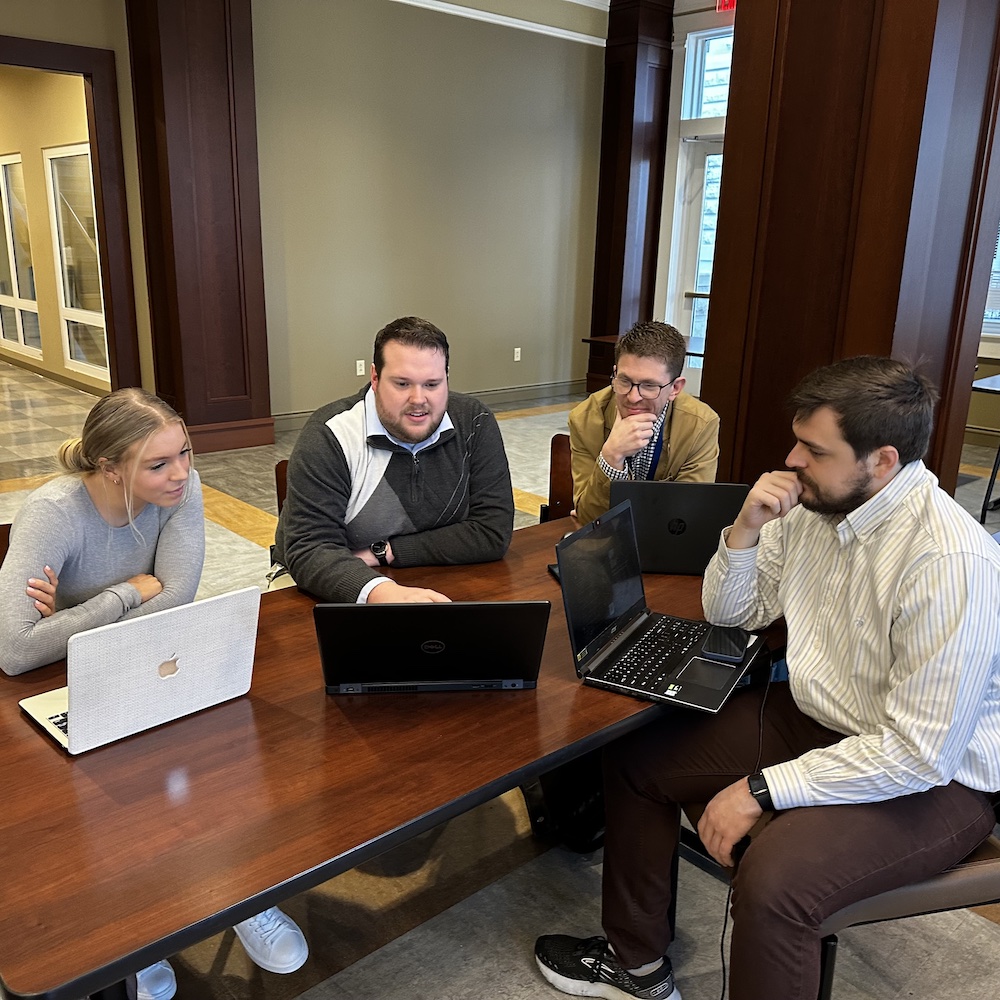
(648, 390)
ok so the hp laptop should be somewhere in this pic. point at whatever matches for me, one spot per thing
(462, 646)
(133, 675)
(678, 524)
(619, 644)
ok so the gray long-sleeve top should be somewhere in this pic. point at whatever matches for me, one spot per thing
(59, 526)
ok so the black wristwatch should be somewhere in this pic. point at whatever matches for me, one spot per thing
(379, 550)
(759, 790)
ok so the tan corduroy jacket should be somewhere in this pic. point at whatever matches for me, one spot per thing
(690, 447)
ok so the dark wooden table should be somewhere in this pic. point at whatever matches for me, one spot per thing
(123, 856)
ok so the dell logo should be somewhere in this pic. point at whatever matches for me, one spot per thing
(676, 526)
(432, 646)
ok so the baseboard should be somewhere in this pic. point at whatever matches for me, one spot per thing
(291, 421)
(527, 393)
(231, 434)
(984, 437)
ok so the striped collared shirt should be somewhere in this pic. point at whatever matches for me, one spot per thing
(893, 617)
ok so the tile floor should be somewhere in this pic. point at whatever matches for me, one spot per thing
(405, 895)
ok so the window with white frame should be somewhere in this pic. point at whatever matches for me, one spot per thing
(703, 50)
(69, 179)
(991, 318)
(18, 305)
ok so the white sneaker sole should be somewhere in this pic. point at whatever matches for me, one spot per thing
(578, 988)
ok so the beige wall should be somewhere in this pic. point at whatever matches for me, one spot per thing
(42, 111)
(99, 24)
(413, 162)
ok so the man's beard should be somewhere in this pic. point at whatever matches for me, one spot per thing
(835, 506)
(400, 433)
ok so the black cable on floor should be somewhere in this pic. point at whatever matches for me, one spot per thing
(729, 893)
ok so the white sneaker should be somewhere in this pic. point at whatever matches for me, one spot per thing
(156, 983)
(273, 941)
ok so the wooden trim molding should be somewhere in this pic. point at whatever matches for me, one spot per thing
(231, 434)
(97, 67)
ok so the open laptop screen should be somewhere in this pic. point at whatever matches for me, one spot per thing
(601, 581)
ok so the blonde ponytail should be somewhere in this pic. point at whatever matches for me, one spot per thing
(72, 458)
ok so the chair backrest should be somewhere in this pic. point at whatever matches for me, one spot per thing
(4, 540)
(281, 482)
(560, 480)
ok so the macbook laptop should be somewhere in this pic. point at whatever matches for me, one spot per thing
(133, 675)
(678, 524)
(619, 644)
(460, 646)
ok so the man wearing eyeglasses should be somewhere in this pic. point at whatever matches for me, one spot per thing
(643, 426)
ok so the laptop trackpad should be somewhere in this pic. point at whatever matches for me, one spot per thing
(706, 673)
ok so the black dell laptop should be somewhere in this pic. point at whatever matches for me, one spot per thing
(459, 646)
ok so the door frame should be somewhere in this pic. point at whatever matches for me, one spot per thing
(97, 67)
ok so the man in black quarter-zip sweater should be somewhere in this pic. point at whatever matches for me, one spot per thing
(400, 474)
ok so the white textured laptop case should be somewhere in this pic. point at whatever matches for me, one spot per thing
(133, 675)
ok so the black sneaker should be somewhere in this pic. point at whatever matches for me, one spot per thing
(587, 967)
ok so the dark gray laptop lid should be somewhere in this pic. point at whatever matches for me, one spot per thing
(458, 646)
(677, 525)
(604, 601)
(601, 582)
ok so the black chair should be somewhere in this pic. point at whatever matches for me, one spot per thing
(988, 503)
(974, 881)
(281, 482)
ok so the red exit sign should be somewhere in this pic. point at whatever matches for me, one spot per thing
(721, 6)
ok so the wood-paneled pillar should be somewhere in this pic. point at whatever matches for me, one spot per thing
(851, 205)
(192, 71)
(633, 138)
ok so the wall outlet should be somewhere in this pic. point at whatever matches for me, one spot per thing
(359, 368)
(517, 353)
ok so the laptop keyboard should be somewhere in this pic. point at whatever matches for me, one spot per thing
(61, 721)
(654, 656)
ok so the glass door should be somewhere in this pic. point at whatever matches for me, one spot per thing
(77, 257)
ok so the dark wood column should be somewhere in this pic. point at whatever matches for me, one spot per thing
(630, 196)
(852, 199)
(192, 71)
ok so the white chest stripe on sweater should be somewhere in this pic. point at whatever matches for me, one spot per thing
(366, 465)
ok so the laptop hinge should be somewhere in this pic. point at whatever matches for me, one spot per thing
(625, 636)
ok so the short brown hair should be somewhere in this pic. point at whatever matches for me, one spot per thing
(878, 401)
(415, 332)
(657, 340)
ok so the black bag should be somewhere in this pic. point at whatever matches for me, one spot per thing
(566, 805)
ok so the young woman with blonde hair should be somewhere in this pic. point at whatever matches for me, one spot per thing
(121, 534)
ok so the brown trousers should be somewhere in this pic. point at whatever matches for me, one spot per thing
(804, 865)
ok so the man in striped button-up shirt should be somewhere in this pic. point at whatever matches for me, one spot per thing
(880, 754)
